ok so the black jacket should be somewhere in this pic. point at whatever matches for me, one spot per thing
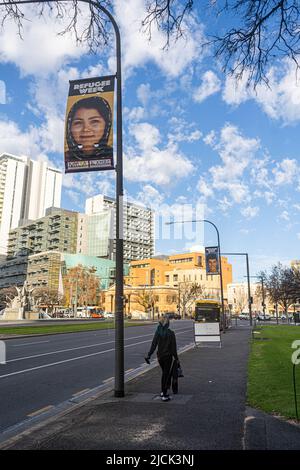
(166, 345)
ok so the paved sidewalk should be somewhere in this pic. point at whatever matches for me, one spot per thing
(208, 413)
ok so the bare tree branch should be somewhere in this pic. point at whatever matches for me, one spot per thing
(254, 34)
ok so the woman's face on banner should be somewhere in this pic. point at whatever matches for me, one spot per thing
(212, 265)
(87, 128)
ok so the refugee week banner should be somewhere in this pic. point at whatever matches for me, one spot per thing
(212, 260)
(88, 140)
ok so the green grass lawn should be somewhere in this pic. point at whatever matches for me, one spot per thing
(64, 328)
(270, 371)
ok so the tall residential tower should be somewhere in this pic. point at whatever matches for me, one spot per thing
(27, 189)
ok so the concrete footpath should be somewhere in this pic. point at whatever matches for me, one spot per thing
(209, 412)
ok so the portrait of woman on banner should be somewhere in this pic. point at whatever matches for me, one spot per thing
(88, 128)
(212, 265)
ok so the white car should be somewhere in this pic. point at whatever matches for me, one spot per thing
(283, 317)
(244, 316)
(108, 315)
(263, 317)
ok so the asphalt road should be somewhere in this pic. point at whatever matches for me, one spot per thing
(43, 372)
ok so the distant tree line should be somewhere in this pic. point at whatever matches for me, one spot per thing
(282, 285)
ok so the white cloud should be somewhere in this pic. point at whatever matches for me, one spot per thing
(270, 197)
(286, 171)
(280, 100)
(225, 205)
(135, 114)
(144, 93)
(209, 86)
(236, 152)
(74, 196)
(146, 135)
(250, 212)
(29, 143)
(210, 139)
(182, 131)
(285, 216)
(235, 91)
(52, 49)
(2, 92)
(150, 197)
(204, 188)
(152, 164)
(137, 50)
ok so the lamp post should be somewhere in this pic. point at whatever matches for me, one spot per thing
(248, 281)
(219, 256)
(263, 294)
(119, 307)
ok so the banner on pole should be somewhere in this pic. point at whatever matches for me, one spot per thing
(212, 260)
(89, 125)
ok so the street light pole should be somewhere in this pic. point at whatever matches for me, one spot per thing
(248, 281)
(219, 255)
(119, 307)
(263, 294)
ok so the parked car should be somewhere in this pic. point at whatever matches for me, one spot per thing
(263, 317)
(108, 315)
(97, 315)
(284, 317)
(172, 315)
(244, 316)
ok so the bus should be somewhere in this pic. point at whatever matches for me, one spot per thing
(210, 311)
(90, 312)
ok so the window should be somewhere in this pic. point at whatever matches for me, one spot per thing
(175, 277)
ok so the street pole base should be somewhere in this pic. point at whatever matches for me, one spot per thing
(119, 393)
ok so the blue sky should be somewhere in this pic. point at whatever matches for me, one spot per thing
(192, 136)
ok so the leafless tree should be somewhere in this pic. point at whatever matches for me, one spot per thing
(95, 34)
(47, 297)
(265, 30)
(147, 299)
(254, 33)
(283, 286)
(241, 299)
(7, 294)
(188, 292)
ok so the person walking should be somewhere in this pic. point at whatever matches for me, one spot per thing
(165, 341)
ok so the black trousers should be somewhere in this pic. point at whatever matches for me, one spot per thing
(165, 363)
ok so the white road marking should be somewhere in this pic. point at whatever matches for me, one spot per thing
(70, 360)
(108, 380)
(66, 360)
(81, 392)
(27, 344)
(42, 410)
(80, 347)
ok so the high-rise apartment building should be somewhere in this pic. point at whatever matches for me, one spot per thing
(138, 223)
(56, 231)
(27, 189)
